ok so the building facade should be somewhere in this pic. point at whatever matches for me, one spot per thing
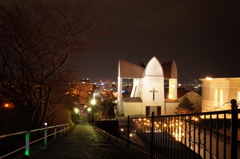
(147, 93)
(217, 93)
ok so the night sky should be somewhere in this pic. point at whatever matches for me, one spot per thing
(202, 37)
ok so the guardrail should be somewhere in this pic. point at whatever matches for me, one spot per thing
(208, 135)
(55, 130)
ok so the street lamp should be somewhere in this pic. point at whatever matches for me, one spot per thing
(89, 110)
(76, 110)
(93, 102)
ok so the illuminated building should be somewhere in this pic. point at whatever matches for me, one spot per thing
(218, 92)
(147, 93)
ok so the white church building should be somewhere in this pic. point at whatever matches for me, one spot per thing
(147, 94)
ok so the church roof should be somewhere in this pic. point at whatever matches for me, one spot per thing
(170, 70)
(167, 70)
(129, 70)
(153, 68)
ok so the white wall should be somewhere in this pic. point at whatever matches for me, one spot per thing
(151, 82)
(132, 108)
(120, 105)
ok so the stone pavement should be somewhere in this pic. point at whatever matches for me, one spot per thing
(84, 142)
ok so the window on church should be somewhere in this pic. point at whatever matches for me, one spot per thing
(135, 89)
(158, 110)
(171, 88)
(147, 110)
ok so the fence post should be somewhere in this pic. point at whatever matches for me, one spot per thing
(128, 130)
(27, 141)
(55, 134)
(117, 129)
(152, 136)
(45, 134)
(234, 129)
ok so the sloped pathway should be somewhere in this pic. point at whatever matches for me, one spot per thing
(86, 143)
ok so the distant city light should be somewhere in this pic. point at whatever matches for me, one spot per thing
(8, 105)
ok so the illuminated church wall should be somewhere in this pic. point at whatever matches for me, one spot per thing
(153, 92)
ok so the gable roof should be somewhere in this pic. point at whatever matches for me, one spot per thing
(153, 68)
(183, 92)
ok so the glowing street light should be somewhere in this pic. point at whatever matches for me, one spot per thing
(89, 109)
(93, 102)
(76, 110)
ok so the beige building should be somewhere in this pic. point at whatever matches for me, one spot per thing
(217, 93)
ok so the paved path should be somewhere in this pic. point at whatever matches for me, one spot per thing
(86, 143)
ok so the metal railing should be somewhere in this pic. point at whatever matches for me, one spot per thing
(208, 135)
(46, 132)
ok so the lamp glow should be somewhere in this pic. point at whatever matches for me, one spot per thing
(89, 109)
(93, 101)
(76, 110)
(208, 78)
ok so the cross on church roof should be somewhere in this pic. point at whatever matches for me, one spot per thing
(153, 91)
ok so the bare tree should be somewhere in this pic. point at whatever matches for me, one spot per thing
(37, 39)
